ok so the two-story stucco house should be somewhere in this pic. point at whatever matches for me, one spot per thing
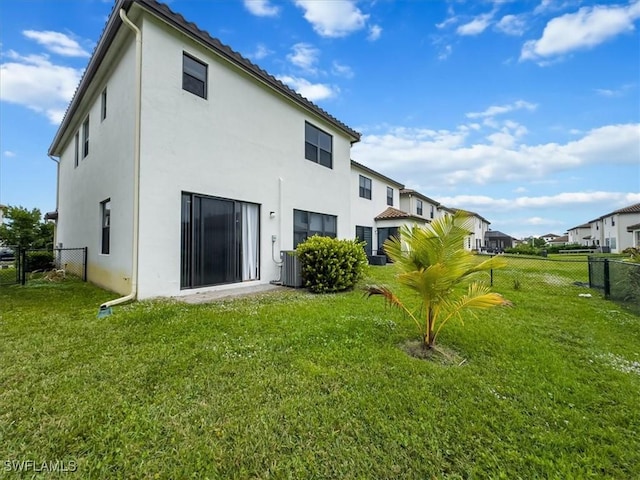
(184, 166)
(615, 233)
(374, 198)
(580, 235)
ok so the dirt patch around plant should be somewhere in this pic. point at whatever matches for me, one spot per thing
(438, 354)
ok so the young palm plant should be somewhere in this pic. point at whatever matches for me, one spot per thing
(433, 264)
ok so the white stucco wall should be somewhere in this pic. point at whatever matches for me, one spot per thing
(106, 172)
(244, 142)
(364, 210)
(615, 227)
(409, 204)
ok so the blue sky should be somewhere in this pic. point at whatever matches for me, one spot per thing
(527, 113)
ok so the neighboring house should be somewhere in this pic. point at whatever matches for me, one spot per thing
(479, 227)
(418, 204)
(184, 166)
(561, 240)
(549, 237)
(371, 194)
(496, 241)
(615, 233)
(580, 235)
(2, 207)
(389, 222)
(635, 231)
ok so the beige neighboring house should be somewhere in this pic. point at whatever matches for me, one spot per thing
(562, 240)
(635, 231)
(580, 235)
(549, 237)
(616, 230)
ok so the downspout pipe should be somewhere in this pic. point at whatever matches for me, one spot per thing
(105, 308)
(55, 230)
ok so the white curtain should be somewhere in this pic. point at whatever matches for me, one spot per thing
(250, 256)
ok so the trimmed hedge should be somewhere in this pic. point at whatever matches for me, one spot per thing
(331, 265)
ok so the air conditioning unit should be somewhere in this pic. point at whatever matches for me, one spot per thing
(291, 269)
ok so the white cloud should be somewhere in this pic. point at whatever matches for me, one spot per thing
(311, 91)
(261, 52)
(445, 52)
(341, 70)
(9, 154)
(261, 8)
(501, 109)
(586, 28)
(618, 92)
(337, 18)
(304, 56)
(34, 82)
(476, 26)
(512, 25)
(559, 200)
(374, 33)
(57, 42)
(449, 158)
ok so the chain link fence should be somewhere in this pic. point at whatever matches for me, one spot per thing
(18, 266)
(557, 273)
(617, 280)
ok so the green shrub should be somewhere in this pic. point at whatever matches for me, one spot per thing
(331, 265)
(38, 260)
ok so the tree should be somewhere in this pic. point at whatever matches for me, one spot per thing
(434, 264)
(25, 229)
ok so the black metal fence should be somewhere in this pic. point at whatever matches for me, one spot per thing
(617, 280)
(18, 265)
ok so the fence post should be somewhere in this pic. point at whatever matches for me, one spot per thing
(84, 262)
(607, 284)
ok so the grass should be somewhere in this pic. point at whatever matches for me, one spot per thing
(294, 385)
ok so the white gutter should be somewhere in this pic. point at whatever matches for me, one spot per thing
(136, 169)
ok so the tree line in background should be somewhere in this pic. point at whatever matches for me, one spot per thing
(25, 228)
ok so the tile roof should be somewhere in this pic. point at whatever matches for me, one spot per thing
(373, 172)
(409, 191)
(163, 12)
(630, 209)
(392, 213)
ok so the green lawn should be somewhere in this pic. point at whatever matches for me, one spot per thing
(294, 385)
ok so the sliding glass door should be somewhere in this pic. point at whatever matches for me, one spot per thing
(220, 240)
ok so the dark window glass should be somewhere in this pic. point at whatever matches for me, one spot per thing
(365, 187)
(85, 138)
(103, 106)
(390, 196)
(77, 150)
(318, 146)
(419, 207)
(105, 211)
(307, 224)
(194, 76)
(364, 234)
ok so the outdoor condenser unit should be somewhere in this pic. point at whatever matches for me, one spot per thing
(291, 270)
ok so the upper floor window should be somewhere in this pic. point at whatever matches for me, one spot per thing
(390, 196)
(365, 187)
(85, 138)
(613, 221)
(318, 146)
(432, 211)
(194, 76)
(419, 207)
(105, 213)
(77, 149)
(103, 104)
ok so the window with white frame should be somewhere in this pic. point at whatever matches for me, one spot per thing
(419, 207)
(318, 146)
(103, 104)
(390, 196)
